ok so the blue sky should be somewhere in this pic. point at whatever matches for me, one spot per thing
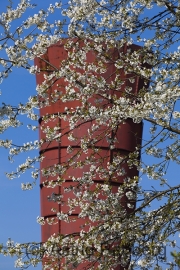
(19, 209)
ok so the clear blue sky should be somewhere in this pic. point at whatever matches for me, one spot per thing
(18, 209)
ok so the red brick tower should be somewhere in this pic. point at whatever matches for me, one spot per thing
(128, 137)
